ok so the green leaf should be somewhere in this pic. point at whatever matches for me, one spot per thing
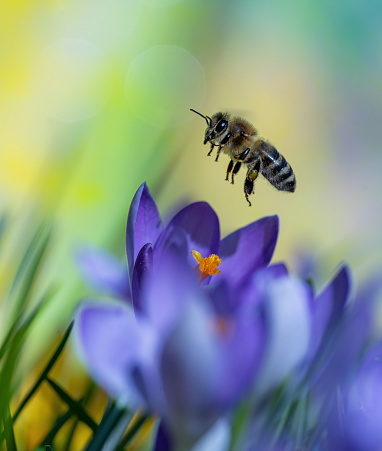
(75, 406)
(45, 372)
(60, 421)
(28, 270)
(134, 429)
(240, 422)
(20, 326)
(110, 421)
(8, 431)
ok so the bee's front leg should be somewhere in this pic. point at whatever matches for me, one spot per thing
(212, 148)
(217, 155)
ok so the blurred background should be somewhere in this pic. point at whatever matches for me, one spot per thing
(95, 98)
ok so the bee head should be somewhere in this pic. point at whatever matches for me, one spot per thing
(217, 125)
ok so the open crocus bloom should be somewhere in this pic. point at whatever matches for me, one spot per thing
(177, 357)
(189, 348)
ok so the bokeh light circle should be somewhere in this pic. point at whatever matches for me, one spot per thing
(71, 80)
(106, 22)
(162, 3)
(162, 83)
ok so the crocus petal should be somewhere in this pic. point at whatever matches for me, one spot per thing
(328, 307)
(344, 350)
(242, 352)
(175, 243)
(286, 307)
(144, 224)
(142, 268)
(217, 438)
(190, 369)
(200, 226)
(223, 299)
(172, 285)
(248, 249)
(103, 271)
(355, 423)
(163, 440)
(363, 417)
(112, 344)
(277, 270)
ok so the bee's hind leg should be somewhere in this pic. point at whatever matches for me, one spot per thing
(249, 183)
(248, 189)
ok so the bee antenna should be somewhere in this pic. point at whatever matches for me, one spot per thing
(207, 118)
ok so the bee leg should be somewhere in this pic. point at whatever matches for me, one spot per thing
(235, 171)
(217, 155)
(229, 169)
(212, 148)
(249, 183)
(248, 189)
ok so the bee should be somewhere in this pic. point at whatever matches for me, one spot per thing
(239, 139)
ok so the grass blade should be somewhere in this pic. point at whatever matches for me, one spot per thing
(75, 406)
(60, 421)
(44, 374)
(28, 269)
(8, 432)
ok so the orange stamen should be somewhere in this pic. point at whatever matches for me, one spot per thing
(207, 266)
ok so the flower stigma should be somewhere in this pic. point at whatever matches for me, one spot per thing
(207, 266)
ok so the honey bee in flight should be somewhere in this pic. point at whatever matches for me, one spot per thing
(240, 140)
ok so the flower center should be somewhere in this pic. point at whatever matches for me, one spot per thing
(207, 266)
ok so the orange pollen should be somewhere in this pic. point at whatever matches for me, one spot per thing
(222, 326)
(207, 266)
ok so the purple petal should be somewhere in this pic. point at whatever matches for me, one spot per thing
(242, 349)
(248, 249)
(356, 421)
(172, 285)
(144, 224)
(286, 304)
(328, 307)
(103, 271)
(112, 344)
(175, 243)
(163, 439)
(200, 226)
(217, 438)
(342, 352)
(142, 267)
(277, 270)
(191, 369)
(364, 415)
(252, 292)
(224, 300)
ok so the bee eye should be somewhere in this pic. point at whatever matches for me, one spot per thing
(221, 126)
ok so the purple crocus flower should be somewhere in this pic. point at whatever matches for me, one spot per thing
(346, 394)
(181, 354)
(103, 272)
(193, 342)
(356, 423)
(178, 359)
(194, 228)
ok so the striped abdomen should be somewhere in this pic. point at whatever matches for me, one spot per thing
(275, 168)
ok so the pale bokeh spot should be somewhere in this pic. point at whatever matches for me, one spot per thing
(70, 80)
(107, 22)
(163, 83)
